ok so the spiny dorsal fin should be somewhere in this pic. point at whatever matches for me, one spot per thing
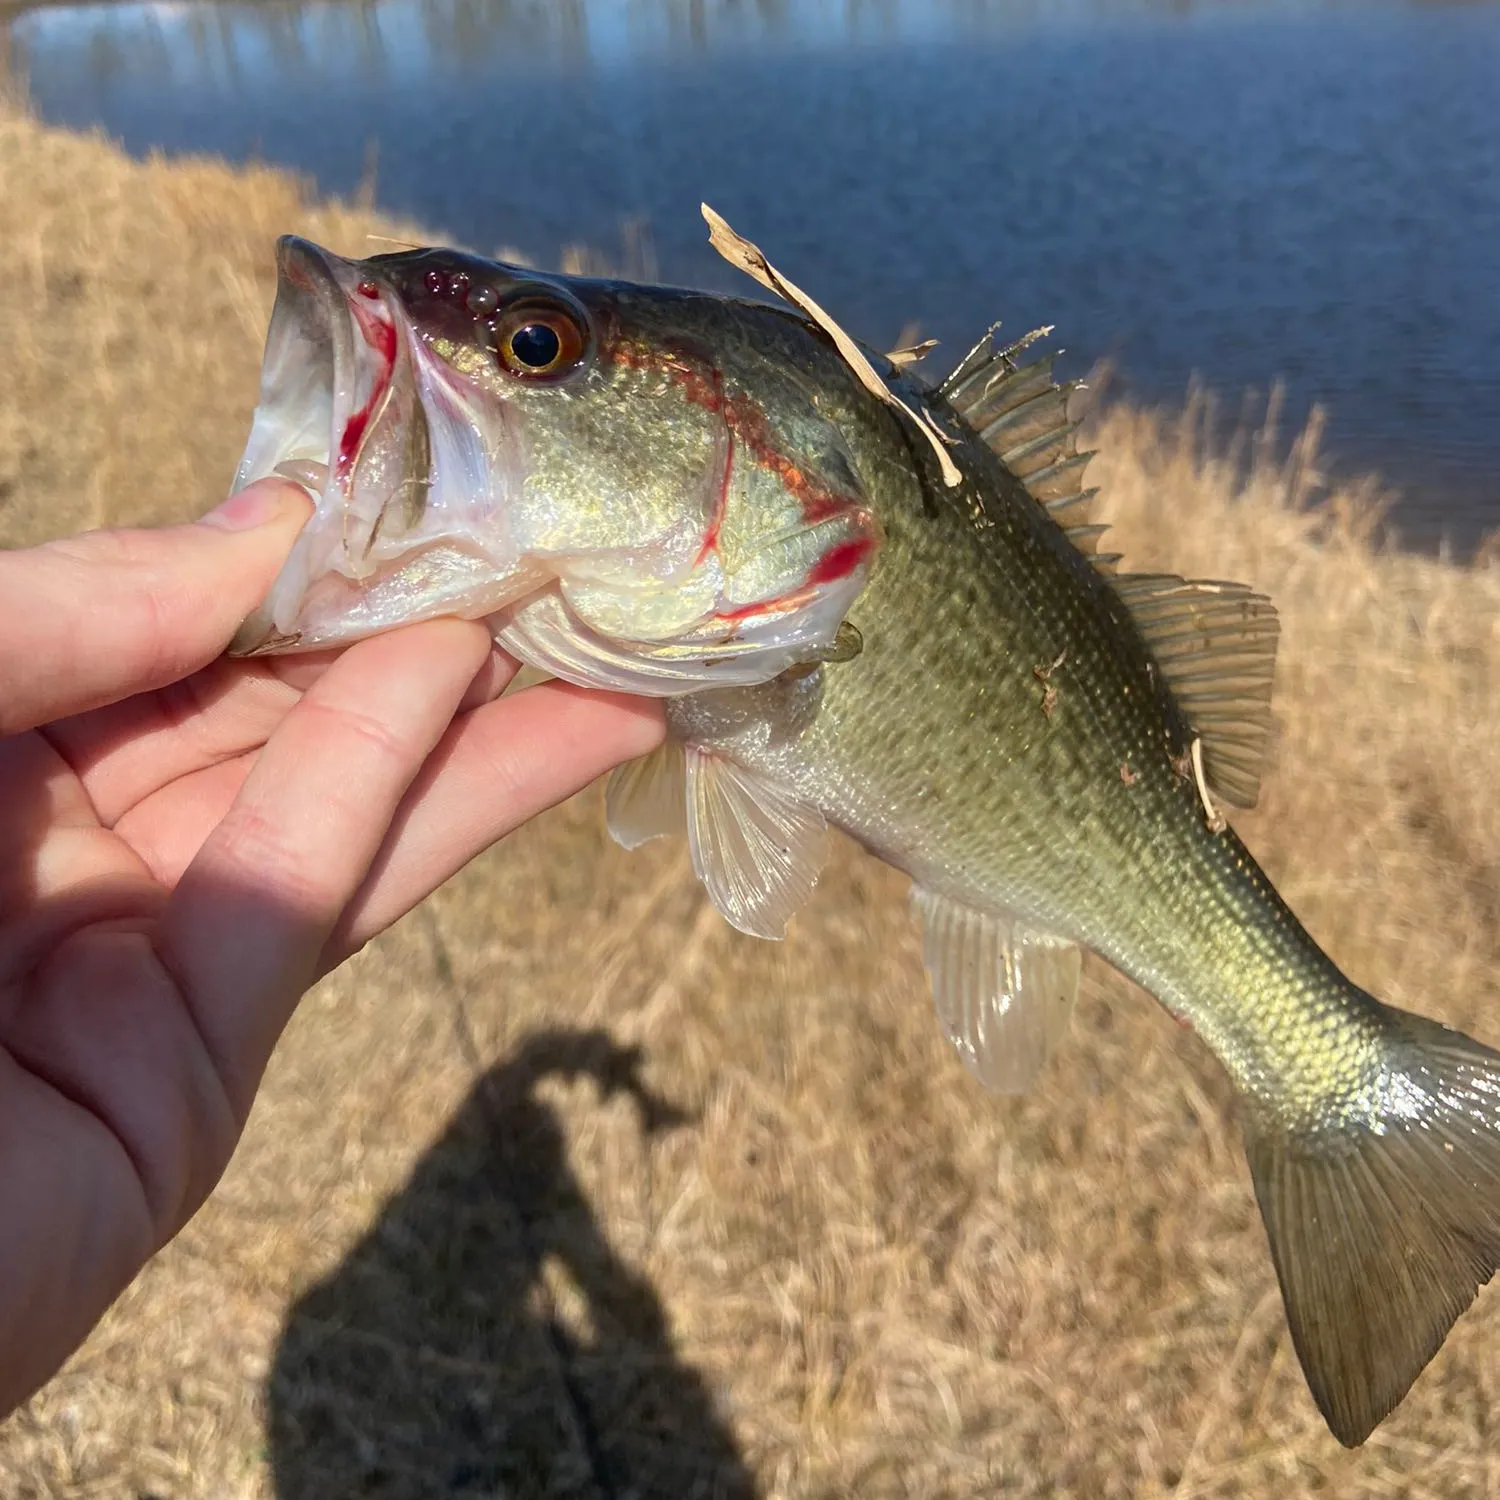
(1215, 643)
(1022, 413)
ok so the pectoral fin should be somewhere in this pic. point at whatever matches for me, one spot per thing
(647, 798)
(1004, 992)
(757, 848)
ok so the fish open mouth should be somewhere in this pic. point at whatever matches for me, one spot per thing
(452, 476)
(389, 449)
(308, 378)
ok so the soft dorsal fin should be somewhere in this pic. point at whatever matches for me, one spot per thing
(1003, 991)
(1216, 645)
(1022, 413)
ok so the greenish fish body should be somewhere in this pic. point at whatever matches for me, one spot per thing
(877, 610)
(1006, 738)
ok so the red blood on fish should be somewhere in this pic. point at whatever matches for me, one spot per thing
(381, 337)
(840, 560)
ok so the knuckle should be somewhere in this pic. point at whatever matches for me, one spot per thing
(155, 631)
(363, 735)
(266, 849)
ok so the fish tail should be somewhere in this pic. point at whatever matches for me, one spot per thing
(1384, 1225)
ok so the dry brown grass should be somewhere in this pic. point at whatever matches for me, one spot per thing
(462, 1251)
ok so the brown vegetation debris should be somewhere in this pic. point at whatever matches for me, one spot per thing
(750, 259)
(1043, 675)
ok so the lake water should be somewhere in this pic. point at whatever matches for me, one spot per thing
(1247, 191)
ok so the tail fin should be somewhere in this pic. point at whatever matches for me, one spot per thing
(1384, 1228)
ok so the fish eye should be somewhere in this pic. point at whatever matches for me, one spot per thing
(536, 345)
(539, 340)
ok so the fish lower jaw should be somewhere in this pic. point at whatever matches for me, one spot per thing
(311, 474)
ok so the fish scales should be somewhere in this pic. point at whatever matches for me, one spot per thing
(977, 792)
(861, 616)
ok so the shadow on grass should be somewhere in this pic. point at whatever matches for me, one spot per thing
(433, 1361)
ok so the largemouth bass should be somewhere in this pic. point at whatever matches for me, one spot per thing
(875, 602)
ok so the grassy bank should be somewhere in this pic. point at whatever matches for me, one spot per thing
(465, 1245)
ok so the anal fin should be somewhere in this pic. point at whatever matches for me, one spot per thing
(1004, 991)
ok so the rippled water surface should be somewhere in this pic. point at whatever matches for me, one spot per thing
(1247, 191)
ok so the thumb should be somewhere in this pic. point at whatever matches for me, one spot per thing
(94, 618)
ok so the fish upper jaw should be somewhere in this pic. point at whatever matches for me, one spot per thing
(406, 470)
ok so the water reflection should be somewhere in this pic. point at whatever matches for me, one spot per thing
(168, 40)
(1246, 190)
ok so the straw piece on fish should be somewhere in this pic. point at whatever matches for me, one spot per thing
(1217, 822)
(909, 354)
(739, 252)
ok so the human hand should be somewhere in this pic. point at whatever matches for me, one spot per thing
(186, 844)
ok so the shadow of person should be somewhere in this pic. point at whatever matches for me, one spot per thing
(434, 1360)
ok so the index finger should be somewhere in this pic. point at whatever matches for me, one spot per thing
(91, 619)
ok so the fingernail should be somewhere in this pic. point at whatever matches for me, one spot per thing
(253, 506)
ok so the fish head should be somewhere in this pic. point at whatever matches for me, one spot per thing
(615, 477)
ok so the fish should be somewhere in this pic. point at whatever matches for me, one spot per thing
(874, 601)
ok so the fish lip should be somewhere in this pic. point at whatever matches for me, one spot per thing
(308, 368)
(311, 372)
(344, 359)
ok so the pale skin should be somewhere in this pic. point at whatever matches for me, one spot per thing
(186, 844)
